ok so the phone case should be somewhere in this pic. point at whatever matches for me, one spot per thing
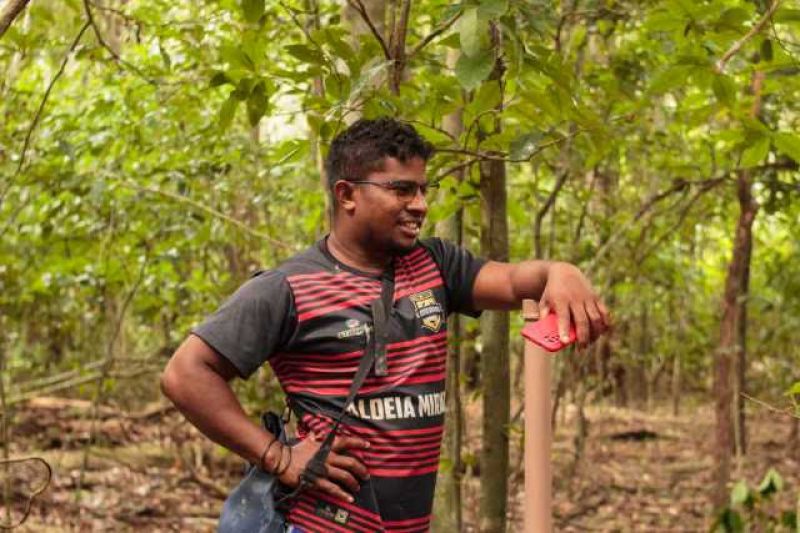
(545, 333)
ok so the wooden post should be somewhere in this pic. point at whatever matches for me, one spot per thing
(538, 438)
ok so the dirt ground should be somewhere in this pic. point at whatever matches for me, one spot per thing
(150, 471)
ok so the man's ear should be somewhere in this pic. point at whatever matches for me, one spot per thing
(343, 193)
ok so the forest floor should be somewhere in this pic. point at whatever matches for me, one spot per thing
(150, 471)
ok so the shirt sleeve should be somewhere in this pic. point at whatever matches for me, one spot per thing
(459, 269)
(253, 323)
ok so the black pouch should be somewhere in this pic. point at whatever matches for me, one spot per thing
(251, 507)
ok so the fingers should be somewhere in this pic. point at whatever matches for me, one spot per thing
(344, 443)
(544, 310)
(563, 314)
(349, 464)
(334, 490)
(343, 478)
(601, 307)
(581, 322)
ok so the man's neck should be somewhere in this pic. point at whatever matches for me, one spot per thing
(351, 254)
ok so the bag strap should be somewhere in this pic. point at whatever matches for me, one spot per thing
(374, 351)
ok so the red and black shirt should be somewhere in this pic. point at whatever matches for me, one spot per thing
(307, 318)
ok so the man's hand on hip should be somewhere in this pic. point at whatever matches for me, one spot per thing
(344, 471)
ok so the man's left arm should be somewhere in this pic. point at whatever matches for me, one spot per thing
(558, 287)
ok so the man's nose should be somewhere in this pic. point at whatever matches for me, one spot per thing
(418, 203)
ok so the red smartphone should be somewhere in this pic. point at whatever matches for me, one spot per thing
(545, 333)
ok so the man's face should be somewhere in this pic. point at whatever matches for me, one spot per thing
(389, 209)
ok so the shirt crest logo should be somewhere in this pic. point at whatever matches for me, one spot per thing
(353, 328)
(428, 310)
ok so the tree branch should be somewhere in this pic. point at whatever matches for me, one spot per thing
(38, 115)
(541, 213)
(359, 7)
(213, 212)
(101, 40)
(735, 47)
(433, 35)
(484, 156)
(11, 11)
(787, 412)
(118, 12)
(677, 186)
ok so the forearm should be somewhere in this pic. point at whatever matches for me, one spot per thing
(206, 399)
(503, 286)
(528, 280)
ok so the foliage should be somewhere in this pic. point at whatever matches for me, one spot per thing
(181, 152)
(750, 508)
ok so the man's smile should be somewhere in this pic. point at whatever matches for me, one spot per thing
(411, 227)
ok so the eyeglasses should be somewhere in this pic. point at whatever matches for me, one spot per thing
(404, 189)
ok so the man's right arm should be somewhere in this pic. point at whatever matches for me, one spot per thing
(197, 380)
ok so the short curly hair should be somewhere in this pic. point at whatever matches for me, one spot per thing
(362, 148)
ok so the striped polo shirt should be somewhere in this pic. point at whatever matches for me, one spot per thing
(308, 318)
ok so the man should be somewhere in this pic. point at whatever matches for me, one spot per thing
(310, 319)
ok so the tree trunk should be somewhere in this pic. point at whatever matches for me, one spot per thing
(448, 508)
(729, 367)
(318, 88)
(680, 335)
(676, 384)
(470, 359)
(352, 20)
(640, 375)
(10, 11)
(495, 332)
(727, 352)
(741, 353)
(397, 46)
(793, 440)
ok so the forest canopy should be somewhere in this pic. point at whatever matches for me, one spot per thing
(154, 154)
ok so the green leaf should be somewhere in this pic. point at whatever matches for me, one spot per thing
(338, 45)
(771, 483)
(473, 31)
(433, 135)
(290, 152)
(724, 89)
(486, 97)
(786, 16)
(236, 57)
(165, 57)
(794, 390)
(789, 520)
(228, 111)
(766, 50)
(740, 493)
(788, 143)
(253, 9)
(306, 53)
(243, 89)
(493, 9)
(733, 18)
(471, 71)
(219, 78)
(525, 145)
(257, 103)
(755, 152)
(668, 79)
(729, 521)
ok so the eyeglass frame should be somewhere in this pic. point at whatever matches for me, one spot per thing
(391, 185)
